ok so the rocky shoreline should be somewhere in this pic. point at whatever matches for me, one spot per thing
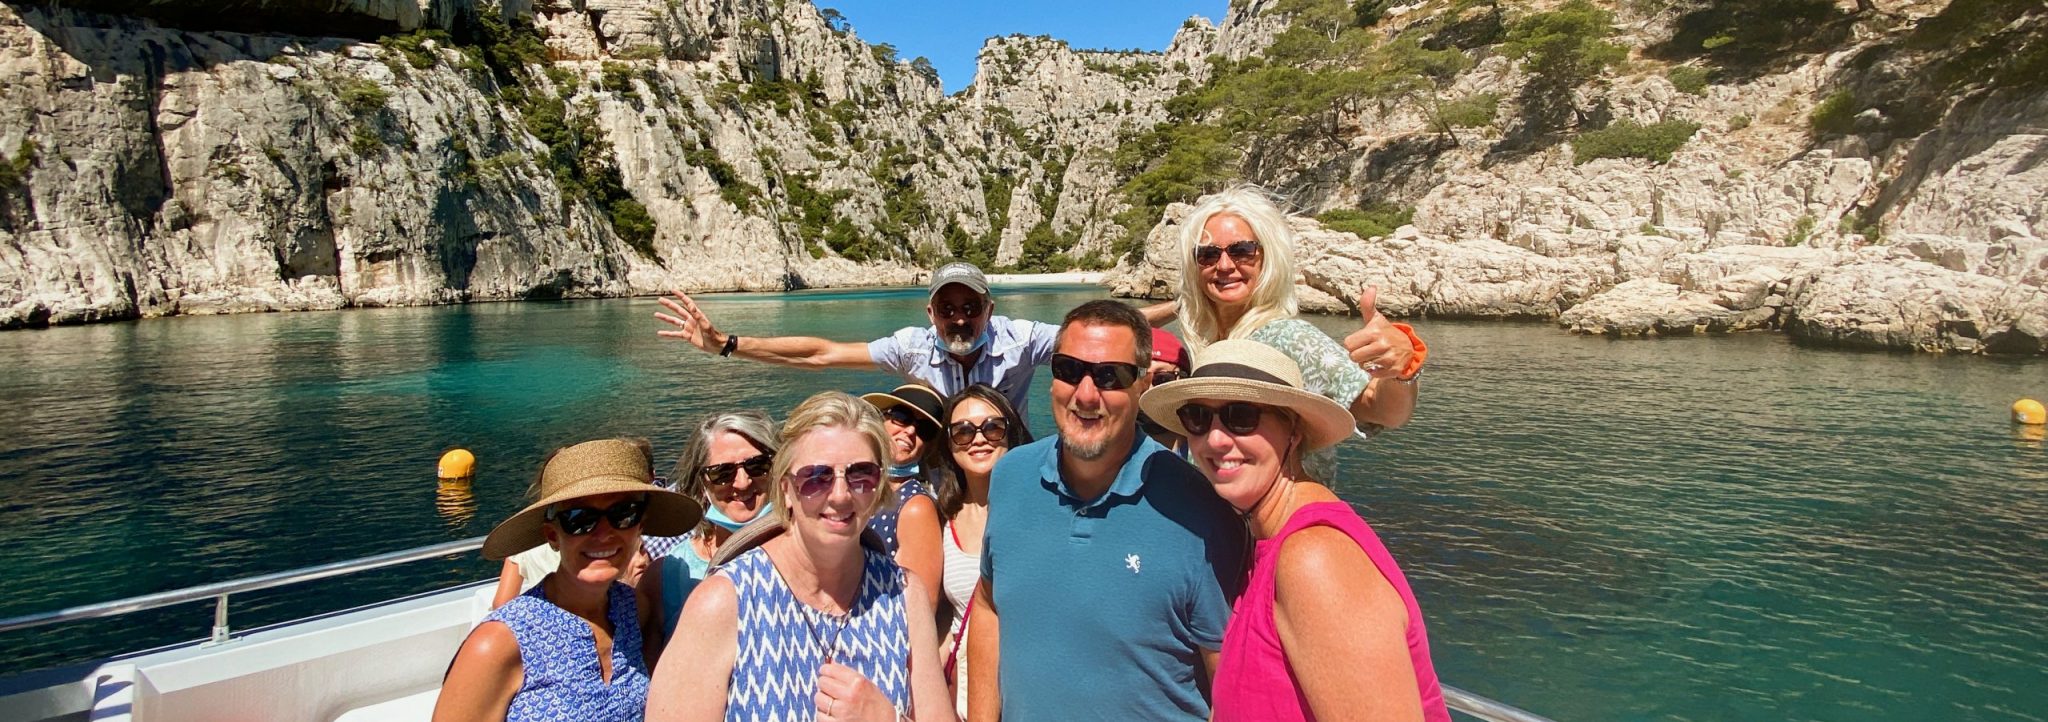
(1876, 297)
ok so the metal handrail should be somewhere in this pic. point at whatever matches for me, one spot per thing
(219, 591)
(1454, 698)
(1486, 709)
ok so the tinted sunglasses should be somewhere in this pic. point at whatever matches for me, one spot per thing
(1160, 377)
(1239, 417)
(1241, 252)
(1108, 375)
(862, 477)
(723, 474)
(995, 428)
(581, 520)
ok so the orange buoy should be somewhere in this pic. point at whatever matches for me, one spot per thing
(457, 464)
(2029, 412)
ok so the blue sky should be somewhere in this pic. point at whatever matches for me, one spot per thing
(950, 32)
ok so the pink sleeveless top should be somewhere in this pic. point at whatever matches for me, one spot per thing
(1253, 680)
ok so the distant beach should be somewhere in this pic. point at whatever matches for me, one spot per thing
(1090, 278)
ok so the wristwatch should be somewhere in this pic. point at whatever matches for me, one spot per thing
(732, 343)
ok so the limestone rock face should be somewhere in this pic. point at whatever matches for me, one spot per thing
(1919, 305)
(1648, 307)
(224, 156)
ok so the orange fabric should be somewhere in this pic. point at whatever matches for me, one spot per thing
(1421, 351)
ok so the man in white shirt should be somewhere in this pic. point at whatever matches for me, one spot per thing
(965, 344)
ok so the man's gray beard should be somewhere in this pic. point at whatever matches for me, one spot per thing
(960, 346)
(1089, 452)
(1084, 452)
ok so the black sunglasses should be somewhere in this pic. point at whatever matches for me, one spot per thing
(1240, 252)
(723, 474)
(862, 477)
(995, 428)
(1160, 377)
(581, 520)
(902, 415)
(1108, 375)
(1239, 417)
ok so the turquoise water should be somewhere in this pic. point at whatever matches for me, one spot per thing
(1727, 528)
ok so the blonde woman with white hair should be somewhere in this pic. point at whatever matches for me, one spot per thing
(1237, 282)
(811, 624)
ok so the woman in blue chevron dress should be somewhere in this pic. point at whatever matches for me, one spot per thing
(811, 624)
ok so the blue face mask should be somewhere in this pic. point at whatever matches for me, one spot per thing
(904, 471)
(717, 516)
(979, 343)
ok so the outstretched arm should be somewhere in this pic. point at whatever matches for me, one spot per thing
(797, 351)
(1160, 314)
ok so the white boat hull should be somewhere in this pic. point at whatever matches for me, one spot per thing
(381, 662)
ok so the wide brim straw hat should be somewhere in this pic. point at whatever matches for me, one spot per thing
(1242, 370)
(592, 468)
(920, 398)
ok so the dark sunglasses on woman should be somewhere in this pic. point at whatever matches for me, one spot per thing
(862, 477)
(995, 428)
(1239, 417)
(1160, 377)
(1108, 375)
(723, 474)
(581, 520)
(1241, 252)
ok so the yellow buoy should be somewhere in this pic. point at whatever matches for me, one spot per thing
(458, 464)
(2029, 412)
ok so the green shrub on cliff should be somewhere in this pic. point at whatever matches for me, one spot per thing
(1688, 79)
(13, 171)
(1373, 219)
(1628, 139)
(1835, 115)
(413, 46)
(362, 96)
(1561, 50)
(630, 220)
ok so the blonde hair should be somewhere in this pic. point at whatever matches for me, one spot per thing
(1272, 298)
(829, 410)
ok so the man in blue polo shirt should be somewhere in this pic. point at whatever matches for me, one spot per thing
(1108, 563)
(966, 344)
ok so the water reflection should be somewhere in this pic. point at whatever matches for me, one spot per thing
(2030, 435)
(456, 502)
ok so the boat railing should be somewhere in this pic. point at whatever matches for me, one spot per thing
(1457, 699)
(219, 591)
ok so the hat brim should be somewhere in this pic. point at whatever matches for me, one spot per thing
(1327, 422)
(882, 401)
(668, 514)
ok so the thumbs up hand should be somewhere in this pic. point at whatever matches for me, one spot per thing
(1379, 348)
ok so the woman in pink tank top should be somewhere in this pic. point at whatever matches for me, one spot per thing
(1327, 627)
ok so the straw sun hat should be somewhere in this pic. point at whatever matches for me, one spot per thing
(1241, 370)
(605, 466)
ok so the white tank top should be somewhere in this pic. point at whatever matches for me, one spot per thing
(962, 572)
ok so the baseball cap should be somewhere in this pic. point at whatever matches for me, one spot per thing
(960, 272)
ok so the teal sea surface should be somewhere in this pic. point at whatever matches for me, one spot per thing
(1726, 528)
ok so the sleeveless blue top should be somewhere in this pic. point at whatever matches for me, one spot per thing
(558, 653)
(783, 642)
(884, 521)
